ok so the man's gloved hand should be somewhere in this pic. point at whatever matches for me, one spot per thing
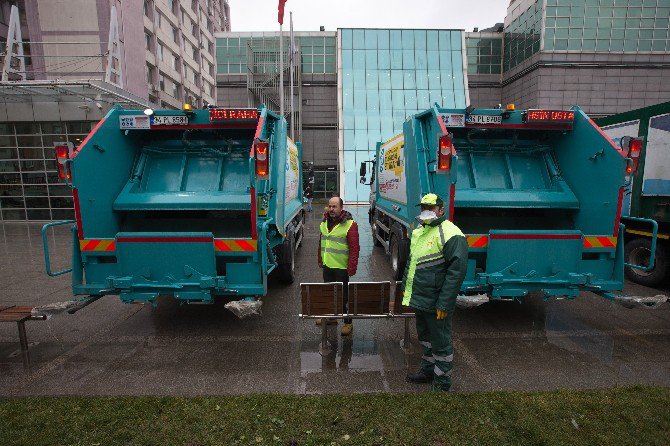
(440, 314)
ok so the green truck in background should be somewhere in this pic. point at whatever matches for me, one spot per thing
(646, 132)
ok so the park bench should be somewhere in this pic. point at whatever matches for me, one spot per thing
(367, 300)
(20, 314)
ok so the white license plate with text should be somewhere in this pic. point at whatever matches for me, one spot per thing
(169, 120)
(483, 119)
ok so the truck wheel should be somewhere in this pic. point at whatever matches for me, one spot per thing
(637, 252)
(398, 249)
(375, 231)
(286, 267)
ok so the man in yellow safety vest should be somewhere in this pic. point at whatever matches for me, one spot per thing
(338, 251)
(432, 280)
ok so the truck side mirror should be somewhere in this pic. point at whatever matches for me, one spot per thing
(363, 172)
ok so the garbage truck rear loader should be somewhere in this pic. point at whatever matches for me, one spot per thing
(193, 204)
(538, 194)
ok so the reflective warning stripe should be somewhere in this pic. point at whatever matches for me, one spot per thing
(429, 264)
(106, 245)
(334, 238)
(477, 241)
(334, 251)
(438, 371)
(448, 358)
(235, 245)
(596, 241)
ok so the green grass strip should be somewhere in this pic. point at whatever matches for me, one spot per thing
(634, 415)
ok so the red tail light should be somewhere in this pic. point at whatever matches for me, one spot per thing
(444, 150)
(62, 154)
(634, 149)
(262, 159)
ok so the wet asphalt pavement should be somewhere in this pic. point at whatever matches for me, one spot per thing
(111, 348)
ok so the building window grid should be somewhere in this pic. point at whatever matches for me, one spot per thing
(605, 26)
(29, 184)
(484, 55)
(522, 36)
(317, 53)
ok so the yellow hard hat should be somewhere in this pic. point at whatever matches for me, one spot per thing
(431, 200)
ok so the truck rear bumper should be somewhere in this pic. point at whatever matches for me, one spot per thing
(510, 264)
(192, 267)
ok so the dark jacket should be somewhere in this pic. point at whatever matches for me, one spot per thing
(352, 240)
(436, 287)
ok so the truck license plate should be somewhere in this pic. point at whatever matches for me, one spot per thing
(483, 119)
(169, 120)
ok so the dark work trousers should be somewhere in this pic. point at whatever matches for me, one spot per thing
(438, 351)
(339, 275)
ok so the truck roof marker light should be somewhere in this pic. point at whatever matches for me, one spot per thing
(444, 151)
(148, 111)
(510, 107)
(187, 107)
(262, 158)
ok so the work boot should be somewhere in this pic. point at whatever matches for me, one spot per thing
(328, 322)
(420, 377)
(347, 329)
(440, 387)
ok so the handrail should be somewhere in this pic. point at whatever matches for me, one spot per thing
(654, 234)
(45, 242)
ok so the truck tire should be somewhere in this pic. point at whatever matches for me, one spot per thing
(375, 231)
(286, 267)
(398, 249)
(637, 253)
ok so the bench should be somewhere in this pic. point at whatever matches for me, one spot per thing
(20, 315)
(367, 300)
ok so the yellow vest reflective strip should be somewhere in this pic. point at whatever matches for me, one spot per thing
(334, 245)
(426, 251)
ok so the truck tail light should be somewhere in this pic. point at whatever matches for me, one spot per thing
(262, 159)
(62, 155)
(444, 151)
(634, 148)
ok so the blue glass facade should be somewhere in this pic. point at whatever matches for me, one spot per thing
(386, 75)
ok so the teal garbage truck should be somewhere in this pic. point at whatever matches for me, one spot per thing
(646, 133)
(192, 204)
(538, 194)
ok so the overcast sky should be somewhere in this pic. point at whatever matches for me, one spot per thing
(308, 15)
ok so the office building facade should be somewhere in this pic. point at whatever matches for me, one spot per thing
(80, 58)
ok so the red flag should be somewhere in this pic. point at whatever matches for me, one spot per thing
(280, 16)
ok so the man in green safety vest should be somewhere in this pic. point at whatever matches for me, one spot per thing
(338, 251)
(432, 280)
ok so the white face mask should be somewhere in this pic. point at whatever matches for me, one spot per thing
(427, 216)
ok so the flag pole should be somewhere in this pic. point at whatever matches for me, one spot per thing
(281, 72)
(292, 59)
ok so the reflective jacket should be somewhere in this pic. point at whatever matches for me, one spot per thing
(436, 267)
(334, 244)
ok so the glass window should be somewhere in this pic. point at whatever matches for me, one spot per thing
(385, 79)
(397, 79)
(408, 59)
(396, 39)
(396, 59)
(371, 39)
(432, 43)
(407, 39)
(359, 39)
(420, 39)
